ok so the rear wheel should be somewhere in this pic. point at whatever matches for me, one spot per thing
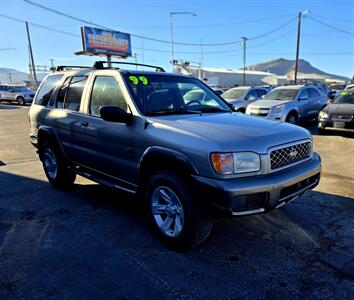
(292, 118)
(21, 101)
(173, 212)
(55, 167)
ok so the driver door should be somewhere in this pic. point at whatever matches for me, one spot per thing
(305, 105)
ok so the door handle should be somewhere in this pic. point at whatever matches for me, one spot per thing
(84, 124)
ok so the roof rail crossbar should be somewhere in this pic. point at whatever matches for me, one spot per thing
(62, 68)
(99, 65)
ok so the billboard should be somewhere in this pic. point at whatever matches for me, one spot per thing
(105, 42)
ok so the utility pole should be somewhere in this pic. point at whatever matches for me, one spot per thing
(52, 64)
(244, 40)
(31, 56)
(301, 14)
(201, 59)
(10, 78)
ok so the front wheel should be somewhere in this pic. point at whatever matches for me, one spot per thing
(21, 101)
(55, 167)
(292, 118)
(174, 213)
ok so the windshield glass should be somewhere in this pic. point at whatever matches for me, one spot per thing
(234, 93)
(281, 94)
(345, 98)
(159, 94)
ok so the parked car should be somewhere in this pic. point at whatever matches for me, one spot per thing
(292, 103)
(184, 159)
(339, 114)
(349, 87)
(336, 89)
(19, 94)
(241, 97)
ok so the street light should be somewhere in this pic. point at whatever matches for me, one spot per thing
(301, 14)
(171, 28)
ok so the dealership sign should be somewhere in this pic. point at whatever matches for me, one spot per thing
(105, 42)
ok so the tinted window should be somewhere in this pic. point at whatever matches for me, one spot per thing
(304, 94)
(261, 93)
(313, 93)
(47, 88)
(106, 91)
(235, 93)
(74, 93)
(62, 93)
(252, 95)
(2, 88)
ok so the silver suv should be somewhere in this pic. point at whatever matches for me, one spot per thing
(241, 97)
(291, 103)
(184, 159)
(19, 94)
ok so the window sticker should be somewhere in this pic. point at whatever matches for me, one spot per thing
(144, 80)
(344, 93)
(134, 79)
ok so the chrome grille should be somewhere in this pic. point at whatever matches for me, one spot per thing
(288, 155)
(341, 117)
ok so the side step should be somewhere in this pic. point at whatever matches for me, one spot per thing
(101, 179)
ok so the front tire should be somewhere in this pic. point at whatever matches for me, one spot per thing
(21, 101)
(55, 167)
(292, 118)
(173, 212)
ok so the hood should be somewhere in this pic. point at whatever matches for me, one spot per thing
(335, 109)
(226, 132)
(268, 103)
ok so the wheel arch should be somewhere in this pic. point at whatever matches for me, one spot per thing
(45, 133)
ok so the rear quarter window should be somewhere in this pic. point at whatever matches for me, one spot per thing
(47, 88)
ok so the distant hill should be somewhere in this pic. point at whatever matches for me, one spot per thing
(17, 76)
(286, 67)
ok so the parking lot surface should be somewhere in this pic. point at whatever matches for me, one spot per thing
(93, 243)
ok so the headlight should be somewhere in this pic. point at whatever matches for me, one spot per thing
(278, 109)
(323, 115)
(239, 162)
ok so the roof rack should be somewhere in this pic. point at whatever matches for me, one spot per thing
(62, 68)
(99, 65)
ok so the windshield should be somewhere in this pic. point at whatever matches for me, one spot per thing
(345, 98)
(281, 94)
(234, 93)
(160, 94)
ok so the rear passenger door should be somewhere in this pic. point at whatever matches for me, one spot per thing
(108, 147)
(304, 104)
(316, 101)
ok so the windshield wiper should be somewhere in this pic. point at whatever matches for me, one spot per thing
(172, 112)
(213, 109)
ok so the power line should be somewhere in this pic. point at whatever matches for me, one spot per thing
(38, 25)
(330, 26)
(274, 30)
(145, 37)
(7, 49)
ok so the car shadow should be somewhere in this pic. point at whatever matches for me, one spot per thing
(8, 106)
(92, 232)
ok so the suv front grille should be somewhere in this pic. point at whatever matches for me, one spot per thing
(342, 117)
(288, 155)
(260, 112)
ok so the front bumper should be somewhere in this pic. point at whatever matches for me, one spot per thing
(340, 124)
(262, 193)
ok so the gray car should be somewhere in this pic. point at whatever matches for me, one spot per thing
(241, 97)
(292, 103)
(19, 94)
(186, 160)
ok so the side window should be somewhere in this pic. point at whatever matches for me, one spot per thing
(313, 93)
(62, 93)
(252, 95)
(74, 93)
(46, 90)
(106, 91)
(261, 93)
(304, 94)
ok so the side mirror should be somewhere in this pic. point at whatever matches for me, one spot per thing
(262, 97)
(115, 114)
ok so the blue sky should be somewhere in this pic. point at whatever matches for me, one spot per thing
(216, 21)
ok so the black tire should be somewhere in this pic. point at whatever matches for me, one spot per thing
(21, 101)
(241, 110)
(62, 177)
(195, 229)
(292, 118)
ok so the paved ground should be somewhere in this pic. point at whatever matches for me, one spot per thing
(93, 243)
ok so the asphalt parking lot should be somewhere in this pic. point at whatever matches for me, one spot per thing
(93, 243)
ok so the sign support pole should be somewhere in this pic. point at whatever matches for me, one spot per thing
(109, 61)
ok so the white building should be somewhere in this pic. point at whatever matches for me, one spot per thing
(229, 77)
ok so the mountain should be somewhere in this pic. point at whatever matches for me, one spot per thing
(286, 67)
(16, 76)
